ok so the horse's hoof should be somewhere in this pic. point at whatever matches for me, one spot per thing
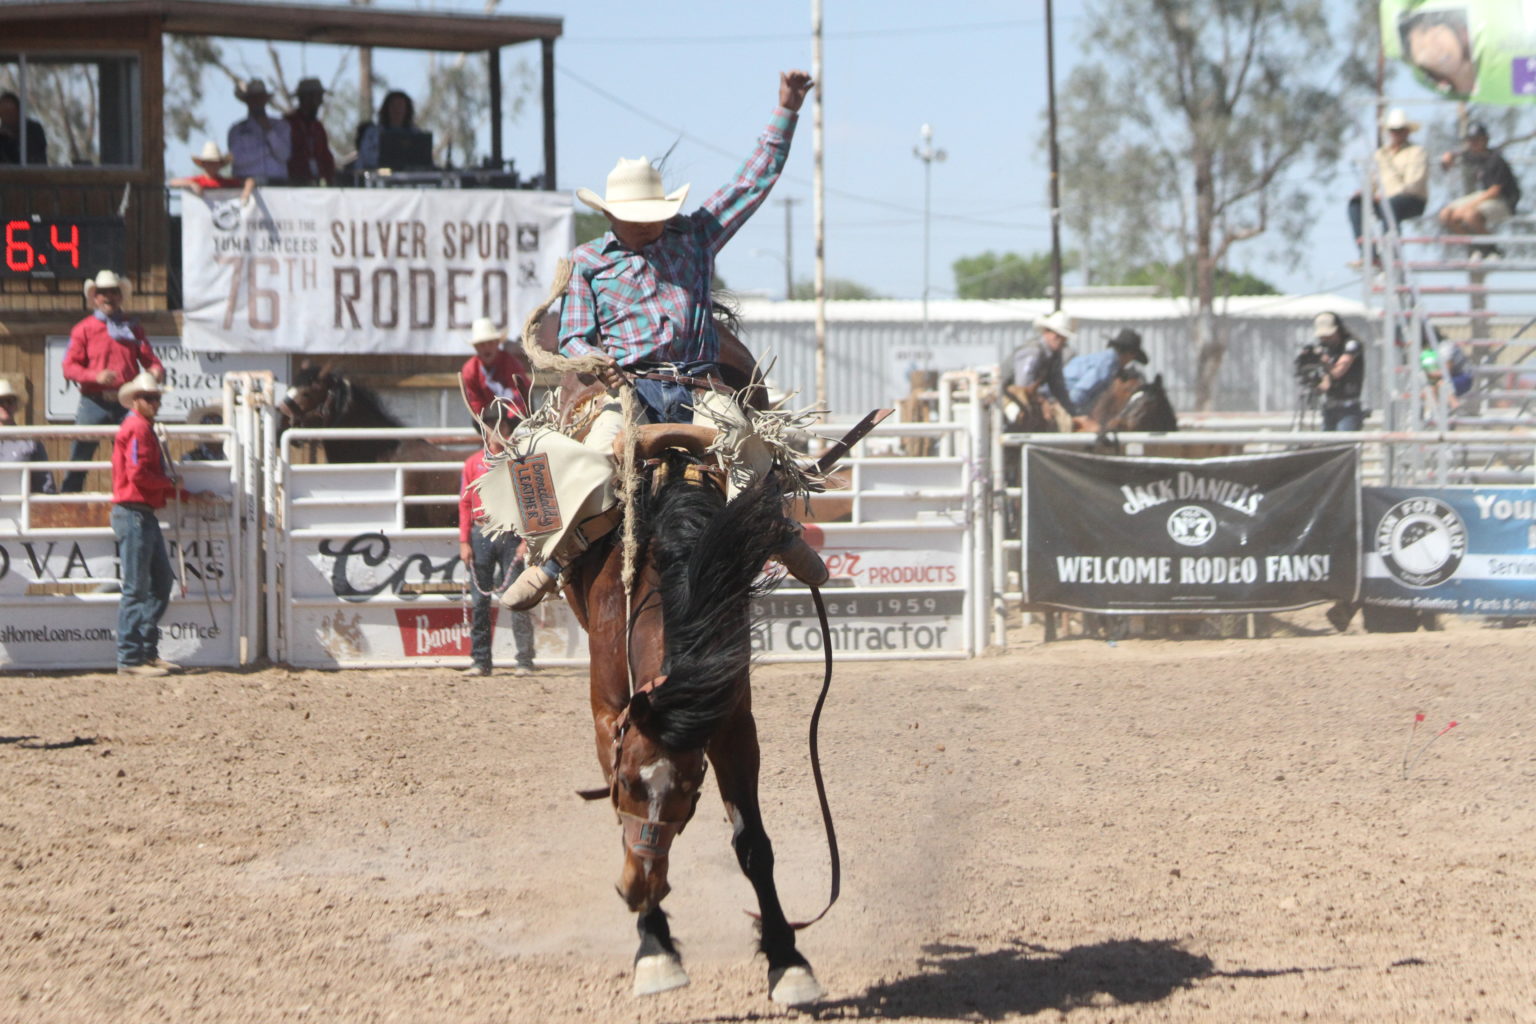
(658, 973)
(794, 986)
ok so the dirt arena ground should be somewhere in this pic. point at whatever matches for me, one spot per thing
(1155, 830)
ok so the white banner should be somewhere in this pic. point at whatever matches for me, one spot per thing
(365, 270)
(193, 378)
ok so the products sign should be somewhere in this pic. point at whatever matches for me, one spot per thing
(1471, 551)
(192, 378)
(365, 270)
(1247, 533)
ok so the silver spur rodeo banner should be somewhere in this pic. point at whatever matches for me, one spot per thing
(1246, 533)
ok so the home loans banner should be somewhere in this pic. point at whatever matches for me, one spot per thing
(1248, 533)
(1470, 551)
(365, 270)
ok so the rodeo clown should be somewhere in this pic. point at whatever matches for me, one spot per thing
(638, 314)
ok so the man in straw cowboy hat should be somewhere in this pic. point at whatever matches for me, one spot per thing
(1040, 366)
(141, 484)
(639, 298)
(106, 350)
(495, 372)
(211, 162)
(261, 144)
(1402, 176)
(21, 449)
(310, 161)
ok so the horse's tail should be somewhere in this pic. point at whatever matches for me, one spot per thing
(710, 554)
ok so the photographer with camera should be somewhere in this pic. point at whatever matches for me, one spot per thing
(1334, 368)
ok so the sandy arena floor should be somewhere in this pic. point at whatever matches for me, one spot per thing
(1200, 830)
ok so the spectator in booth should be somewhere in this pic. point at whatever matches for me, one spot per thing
(1343, 379)
(310, 161)
(494, 372)
(261, 144)
(492, 562)
(211, 162)
(397, 116)
(141, 484)
(106, 350)
(1039, 366)
(1402, 178)
(11, 133)
(1493, 200)
(1087, 376)
(21, 449)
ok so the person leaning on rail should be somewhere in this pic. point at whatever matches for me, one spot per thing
(639, 300)
(1402, 179)
(21, 449)
(106, 350)
(141, 484)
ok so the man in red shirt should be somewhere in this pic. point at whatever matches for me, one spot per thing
(492, 563)
(310, 161)
(495, 373)
(140, 485)
(106, 350)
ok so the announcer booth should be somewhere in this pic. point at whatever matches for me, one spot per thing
(267, 281)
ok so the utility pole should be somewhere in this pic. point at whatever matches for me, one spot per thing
(819, 208)
(925, 152)
(1050, 93)
(788, 202)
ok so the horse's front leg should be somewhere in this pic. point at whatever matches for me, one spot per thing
(734, 753)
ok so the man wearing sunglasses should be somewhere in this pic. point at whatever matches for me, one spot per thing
(141, 484)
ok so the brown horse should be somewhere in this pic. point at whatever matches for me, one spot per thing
(671, 690)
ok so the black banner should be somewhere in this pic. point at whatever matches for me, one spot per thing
(1246, 533)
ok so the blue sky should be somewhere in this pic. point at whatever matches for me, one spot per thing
(634, 78)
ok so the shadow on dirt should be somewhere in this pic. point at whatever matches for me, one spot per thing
(21, 741)
(963, 983)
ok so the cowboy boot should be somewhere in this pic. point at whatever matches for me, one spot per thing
(803, 563)
(533, 586)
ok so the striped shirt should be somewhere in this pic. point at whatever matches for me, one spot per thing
(654, 305)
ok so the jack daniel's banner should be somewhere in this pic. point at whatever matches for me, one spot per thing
(1247, 533)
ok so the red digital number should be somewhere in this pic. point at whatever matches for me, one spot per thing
(72, 246)
(13, 245)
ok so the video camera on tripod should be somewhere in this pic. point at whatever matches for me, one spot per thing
(1309, 367)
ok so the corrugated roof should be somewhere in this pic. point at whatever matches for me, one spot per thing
(1108, 309)
(340, 25)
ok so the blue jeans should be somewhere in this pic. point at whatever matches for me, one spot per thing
(93, 412)
(146, 577)
(1343, 416)
(665, 401)
(1404, 207)
(495, 565)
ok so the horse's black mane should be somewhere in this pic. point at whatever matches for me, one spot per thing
(1151, 411)
(710, 554)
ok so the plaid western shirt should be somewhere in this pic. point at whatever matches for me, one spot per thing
(654, 305)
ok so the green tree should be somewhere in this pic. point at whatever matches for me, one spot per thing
(1007, 275)
(1174, 279)
(589, 226)
(1197, 125)
(837, 288)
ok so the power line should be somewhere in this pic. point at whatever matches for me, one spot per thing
(720, 151)
(779, 37)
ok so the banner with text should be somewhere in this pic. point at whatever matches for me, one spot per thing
(1478, 50)
(365, 270)
(1247, 533)
(192, 379)
(1470, 551)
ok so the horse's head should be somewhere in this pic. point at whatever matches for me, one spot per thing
(654, 790)
(1147, 409)
(316, 398)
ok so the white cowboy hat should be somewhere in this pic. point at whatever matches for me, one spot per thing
(251, 89)
(211, 155)
(1057, 323)
(106, 279)
(634, 194)
(144, 384)
(484, 329)
(1397, 118)
(6, 390)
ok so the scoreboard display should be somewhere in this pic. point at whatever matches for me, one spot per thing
(61, 247)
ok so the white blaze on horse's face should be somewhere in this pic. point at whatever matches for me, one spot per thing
(655, 796)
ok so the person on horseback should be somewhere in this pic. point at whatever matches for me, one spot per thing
(1087, 376)
(640, 299)
(1040, 365)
